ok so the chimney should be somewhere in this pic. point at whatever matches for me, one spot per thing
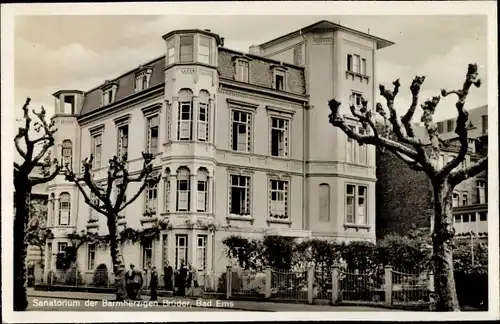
(254, 50)
(208, 30)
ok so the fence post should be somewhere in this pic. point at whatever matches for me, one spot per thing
(268, 282)
(310, 284)
(229, 279)
(388, 284)
(431, 291)
(335, 284)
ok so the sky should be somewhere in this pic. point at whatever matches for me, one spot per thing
(81, 52)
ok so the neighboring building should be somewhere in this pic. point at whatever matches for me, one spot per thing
(405, 197)
(240, 139)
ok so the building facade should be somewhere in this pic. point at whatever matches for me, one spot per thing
(240, 140)
(396, 182)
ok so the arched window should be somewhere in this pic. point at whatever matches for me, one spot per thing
(67, 152)
(183, 189)
(185, 115)
(324, 202)
(166, 190)
(64, 208)
(202, 190)
(203, 115)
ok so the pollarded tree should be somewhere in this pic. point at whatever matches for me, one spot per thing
(32, 142)
(398, 136)
(111, 201)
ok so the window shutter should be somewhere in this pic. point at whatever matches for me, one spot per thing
(202, 130)
(201, 201)
(185, 129)
(183, 200)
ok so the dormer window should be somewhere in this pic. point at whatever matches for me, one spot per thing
(242, 70)
(279, 78)
(204, 50)
(109, 93)
(186, 48)
(142, 79)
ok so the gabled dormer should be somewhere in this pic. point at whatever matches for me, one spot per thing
(68, 102)
(241, 68)
(143, 78)
(279, 77)
(108, 92)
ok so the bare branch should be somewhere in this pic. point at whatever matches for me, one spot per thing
(17, 166)
(17, 138)
(460, 175)
(36, 180)
(137, 194)
(365, 116)
(461, 127)
(429, 107)
(339, 122)
(415, 90)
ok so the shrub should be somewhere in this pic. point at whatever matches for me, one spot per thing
(278, 251)
(403, 253)
(359, 255)
(73, 276)
(247, 253)
(100, 277)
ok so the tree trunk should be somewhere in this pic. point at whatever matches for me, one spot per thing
(444, 281)
(22, 206)
(117, 258)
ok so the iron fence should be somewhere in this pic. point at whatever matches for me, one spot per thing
(289, 285)
(247, 283)
(359, 286)
(410, 287)
(322, 286)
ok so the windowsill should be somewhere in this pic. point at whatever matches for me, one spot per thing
(357, 226)
(240, 152)
(357, 75)
(279, 157)
(188, 142)
(63, 226)
(279, 221)
(241, 218)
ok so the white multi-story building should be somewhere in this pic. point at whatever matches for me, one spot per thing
(239, 139)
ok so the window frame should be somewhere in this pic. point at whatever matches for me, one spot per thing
(181, 121)
(283, 149)
(68, 202)
(149, 132)
(178, 248)
(202, 178)
(171, 55)
(274, 188)
(203, 125)
(246, 211)
(242, 70)
(147, 247)
(248, 126)
(67, 159)
(91, 254)
(183, 178)
(150, 200)
(209, 48)
(355, 199)
(96, 142)
(189, 58)
(201, 249)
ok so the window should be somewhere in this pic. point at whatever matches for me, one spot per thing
(152, 134)
(151, 199)
(324, 202)
(107, 97)
(61, 247)
(355, 63)
(170, 51)
(482, 216)
(202, 191)
(242, 71)
(450, 125)
(458, 219)
(351, 148)
(440, 126)
(166, 189)
(183, 191)
(97, 150)
(349, 62)
(363, 66)
(279, 137)
(94, 215)
(362, 148)
(184, 125)
(356, 207)
(279, 80)
(241, 131)
(473, 218)
(66, 153)
(357, 100)
(181, 251)
(122, 141)
(481, 191)
(90, 256)
(465, 218)
(455, 200)
(279, 199)
(204, 50)
(64, 208)
(239, 200)
(142, 81)
(201, 252)
(203, 121)
(186, 48)
(465, 199)
(484, 124)
(147, 253)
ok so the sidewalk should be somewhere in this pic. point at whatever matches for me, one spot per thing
(237, 304)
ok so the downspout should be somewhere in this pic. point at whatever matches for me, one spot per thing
(305, 223)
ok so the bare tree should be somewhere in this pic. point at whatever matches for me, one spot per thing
(118, 179)
(35, 154)
(408, 147)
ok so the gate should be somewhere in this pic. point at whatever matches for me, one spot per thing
(362, 287)
(289, 285)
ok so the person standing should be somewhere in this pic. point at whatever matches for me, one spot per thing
(154, 283)
(168, 272)
(138, 283)
(182, 279)
(130, 282)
